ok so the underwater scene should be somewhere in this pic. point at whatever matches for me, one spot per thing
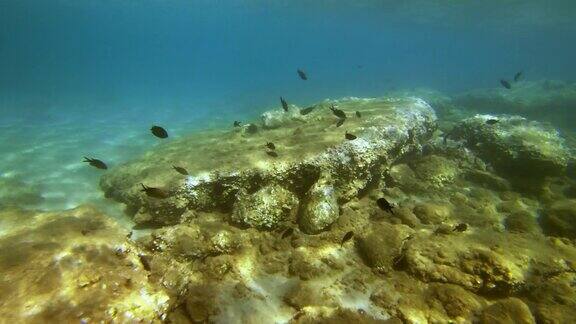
(251, 161)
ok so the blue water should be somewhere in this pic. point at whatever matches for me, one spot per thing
(90, 77)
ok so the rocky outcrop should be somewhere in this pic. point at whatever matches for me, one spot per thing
(514, 146)
(389, 128)
(545, 100)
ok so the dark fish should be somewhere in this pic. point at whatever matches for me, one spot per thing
(505, 84)
(155, 192)
(288, 232)
(236, 123)
(517, 76)
(145, 260)
(180, 170)
(96, 163)
(129, 235)
(350, 137)
(271, 145)
(337, 112)
(460, 227)
(492, 121)
(272, 154)
(346, 237)
(159, 132)
(358, 114)
(306, 111)
(340, 122)
(284, 104)
(385, 205)
(302, 75)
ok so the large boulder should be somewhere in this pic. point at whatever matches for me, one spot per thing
(514, 146)
(388, 129)
(320, 208)
(559, 219)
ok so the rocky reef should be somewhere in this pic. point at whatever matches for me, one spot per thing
(480, 230)
(231, 164)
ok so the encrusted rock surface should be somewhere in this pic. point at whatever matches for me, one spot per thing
(389, 128)
(266, 208)
(71, 267)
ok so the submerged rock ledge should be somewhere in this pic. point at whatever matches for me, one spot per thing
(226, 165)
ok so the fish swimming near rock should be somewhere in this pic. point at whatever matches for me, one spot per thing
(460, 227)
(159, 132)
(284, 104)
(506, 84)
(385, 205)
(271, 145)
(236, 123)
(350, 137)
(340, 122)
(492, 121)
(306, 111)
(337, 112)
(518, 76)
(98, 164)
(302, 75)
(358, 114)
(180, 170)
(272, 154)
(155, 192)
(288, 232)
(346, 237)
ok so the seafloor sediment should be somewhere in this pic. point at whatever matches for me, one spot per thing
(482, 229)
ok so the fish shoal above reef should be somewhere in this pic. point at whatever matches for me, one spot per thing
(222, 164)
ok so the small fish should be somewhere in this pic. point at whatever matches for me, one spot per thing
(505, 84)
(145, 260)
(284, 104)
(236, 123)
(302, 75)
(350, 137)
(337, 112)
(358, 114)
(385, 205)
(492, 121)
(288, 232)
(518, 76)
(180, 170)
(272, 154)
(129, 235)
(306, 111)
(159, 132)
(340, 122)
(98, 164)
(460, 227)
(155, 192)
(271, 145)
(346, 237)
